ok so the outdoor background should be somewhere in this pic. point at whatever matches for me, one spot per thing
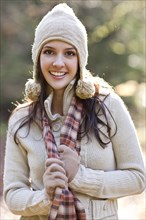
(116, 31)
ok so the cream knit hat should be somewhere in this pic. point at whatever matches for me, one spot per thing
(62, 24)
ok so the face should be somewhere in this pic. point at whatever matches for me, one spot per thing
(59, 64)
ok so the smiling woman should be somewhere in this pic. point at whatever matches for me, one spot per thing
(59, 64)
(72, 148)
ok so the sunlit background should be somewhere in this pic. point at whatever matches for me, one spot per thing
(116, 31)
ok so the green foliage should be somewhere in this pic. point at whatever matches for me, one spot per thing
(116, 41)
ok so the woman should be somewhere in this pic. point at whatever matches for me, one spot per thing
(71, 148)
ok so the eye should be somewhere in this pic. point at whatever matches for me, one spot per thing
(70, 53)
(48, 52)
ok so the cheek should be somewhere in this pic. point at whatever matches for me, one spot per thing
(41, 62)
(44, 62)
(74, 65)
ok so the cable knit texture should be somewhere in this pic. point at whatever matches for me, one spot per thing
(103, 176)
(61, 23)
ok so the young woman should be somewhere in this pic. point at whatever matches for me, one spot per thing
(71, 148)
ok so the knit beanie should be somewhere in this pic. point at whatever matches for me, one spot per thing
(61, 24)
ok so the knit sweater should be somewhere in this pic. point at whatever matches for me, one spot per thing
(104, 174)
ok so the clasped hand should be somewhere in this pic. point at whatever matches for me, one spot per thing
(59, 172)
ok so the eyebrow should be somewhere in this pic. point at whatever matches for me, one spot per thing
(71, 48)
(48, 47)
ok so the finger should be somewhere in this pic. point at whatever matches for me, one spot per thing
(60, 176)
(51, 190)
(55, 167)
(62, 148)
(50, 161)
(56, 180)
(65, 149)
(50, 178)
(61, 183)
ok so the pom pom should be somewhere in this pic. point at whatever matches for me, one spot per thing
(87, 86)
(85, 89)
(32, 90)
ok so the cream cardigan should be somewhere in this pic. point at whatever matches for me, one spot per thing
(103, 176)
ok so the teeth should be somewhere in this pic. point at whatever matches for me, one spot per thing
(57, 73)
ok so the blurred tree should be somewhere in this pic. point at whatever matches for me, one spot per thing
(116, 41)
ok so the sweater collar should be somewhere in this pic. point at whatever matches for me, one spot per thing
(68, 94)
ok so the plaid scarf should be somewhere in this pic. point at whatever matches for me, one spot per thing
(65, 205)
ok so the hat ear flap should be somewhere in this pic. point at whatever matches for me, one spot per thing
(86, 86)
(32, 90)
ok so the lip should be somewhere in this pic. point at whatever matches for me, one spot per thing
(57, 74)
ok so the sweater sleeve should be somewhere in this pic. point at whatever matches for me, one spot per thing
(129, 176)
(19, 196)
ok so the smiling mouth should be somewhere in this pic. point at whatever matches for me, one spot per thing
(57, 74)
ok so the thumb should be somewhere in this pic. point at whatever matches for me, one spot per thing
(61, 148)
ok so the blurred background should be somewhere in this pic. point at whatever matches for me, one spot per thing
(116, 33)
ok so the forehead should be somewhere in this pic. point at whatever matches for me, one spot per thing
(59, 44)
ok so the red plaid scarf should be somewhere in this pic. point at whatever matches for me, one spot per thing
(65, 205)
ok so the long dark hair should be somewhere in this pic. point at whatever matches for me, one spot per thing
(93, 122)
(91, 115)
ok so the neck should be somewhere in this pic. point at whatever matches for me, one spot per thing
(57, 103)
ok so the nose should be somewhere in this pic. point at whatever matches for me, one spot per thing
(58, 61)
